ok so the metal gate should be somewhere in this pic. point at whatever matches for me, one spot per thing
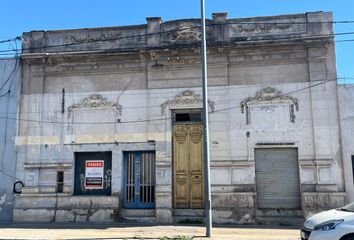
(277, 178)
(139, 180)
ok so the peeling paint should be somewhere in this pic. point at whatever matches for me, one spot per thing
(2, 200)
(82, 139)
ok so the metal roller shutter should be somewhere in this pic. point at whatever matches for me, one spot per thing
(277, 178)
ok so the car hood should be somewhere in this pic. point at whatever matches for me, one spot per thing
(325, 216)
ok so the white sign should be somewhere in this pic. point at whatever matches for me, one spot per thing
(94, 170)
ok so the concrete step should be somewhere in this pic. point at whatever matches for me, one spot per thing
(137, 212)
(138, 215)
(188, 220)
(189, 212)
(279, 213)
(281, 221)
(139, 219)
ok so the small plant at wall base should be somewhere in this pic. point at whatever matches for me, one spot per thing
(177, 238)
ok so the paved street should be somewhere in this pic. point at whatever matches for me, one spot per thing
(119, 231)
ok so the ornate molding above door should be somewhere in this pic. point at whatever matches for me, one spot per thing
(272, 96)
(95, 101)
(187, 99)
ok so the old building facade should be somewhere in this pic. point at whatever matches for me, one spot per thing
(9, 84)
(110, 121)
(346, 109)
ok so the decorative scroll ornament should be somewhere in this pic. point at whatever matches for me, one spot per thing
(95, 101)
(186, 33)
(186, 98)
(95, 36)
(262, 27)
(196, 133)
(270, 94)
(180, 133)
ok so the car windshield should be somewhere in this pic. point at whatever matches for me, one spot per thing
(348, 208)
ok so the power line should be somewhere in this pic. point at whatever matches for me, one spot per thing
(15, 69)
(3, 95)
(284, 94)
(217, 89)
(11, 75)
(345, 40)
(155, 119)
(11, 176)
(240, 39)
(18, 38)
(161, 32)
(212, 89)
(160, 119)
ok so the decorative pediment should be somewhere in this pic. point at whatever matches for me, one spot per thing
(185, 33)
(95, 101)
(269, 94)
(184, 99)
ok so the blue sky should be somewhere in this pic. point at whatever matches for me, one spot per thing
(48, 15)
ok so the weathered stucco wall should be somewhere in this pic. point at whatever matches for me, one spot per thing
(260, 95)
(9, 80)
(346, 106)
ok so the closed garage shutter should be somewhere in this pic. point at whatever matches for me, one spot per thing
(277, 178)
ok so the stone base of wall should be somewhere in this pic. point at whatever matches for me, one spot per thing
(236, 207)
(228, 208)
(240, 207)
(314, 202)
(42, 208)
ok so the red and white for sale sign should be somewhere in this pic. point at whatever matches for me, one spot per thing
(94, 171)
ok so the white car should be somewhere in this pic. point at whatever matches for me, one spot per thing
(335, 224)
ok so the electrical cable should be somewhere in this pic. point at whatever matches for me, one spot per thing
(146, 34)
(9, 175)
(209, 90)
(224, 109)
(16, 67)
(155, 119)
(344, 40)
(237, 40)
(18, 38)
(11, 74)
(219, 110)
(3, 95)
(284, 94)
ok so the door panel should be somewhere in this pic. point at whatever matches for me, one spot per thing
(196, 166)
(197, 200)
(188, 166)
(181, 150)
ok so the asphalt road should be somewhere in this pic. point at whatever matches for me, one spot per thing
(138, 231)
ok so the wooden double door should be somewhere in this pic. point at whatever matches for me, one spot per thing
(188, 166)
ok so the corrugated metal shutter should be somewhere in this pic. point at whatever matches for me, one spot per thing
(277, 178)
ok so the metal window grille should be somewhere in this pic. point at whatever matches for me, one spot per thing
(139, 189)
(60, 181)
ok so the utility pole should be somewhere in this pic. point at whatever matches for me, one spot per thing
(207, 203)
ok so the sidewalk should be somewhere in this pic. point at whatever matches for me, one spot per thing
(139, 231)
